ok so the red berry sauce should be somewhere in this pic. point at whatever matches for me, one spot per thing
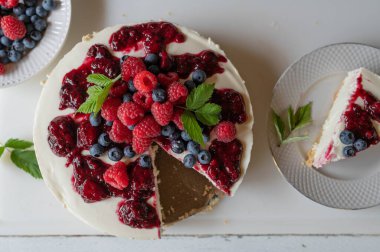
(232, 103)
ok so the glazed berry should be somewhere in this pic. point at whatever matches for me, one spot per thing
(185, 136)
(130, 67)
(159, 95)
(162, 112)
(18, 46)
(167, 130)
(145, 100)
(347, 137)
(129, 152)
(96, 150)
(29, 43)
(140, 145)
(154, 69)
(193, 147)
(145, 81)
(130, 113)
(40, 24)
(151, 59)
(145, 161)
(189, 160)
(349, 151)
(167, 79)
(13, 28)
(360, 144)
(6, 41)
(104, 140)
(147, 128)
(131, 86)
(204, 157)
(30, 11)
(177, 93)
(48, 5)
(14, 56)
(225, 131)
(117, 176)
(177, 118)
(119, 133)
(127, 97)
(95, 120)
(36, 35)
(198, 76)
(110, 108)
(115, 154)
(175, 135)
(177, 146)
(190, 85)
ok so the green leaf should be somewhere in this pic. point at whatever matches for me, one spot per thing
(295, 139)
(27, 161)
(192, 127)
(99, 79)
(303, 116)
(199, 96)
(88, 106)
(291, 118)
(279, 126)
(15, 143)
(2, 149)
(208, 114)
(95, 100)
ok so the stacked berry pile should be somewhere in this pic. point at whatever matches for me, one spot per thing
(22, 27)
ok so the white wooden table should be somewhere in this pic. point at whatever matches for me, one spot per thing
(262, 38)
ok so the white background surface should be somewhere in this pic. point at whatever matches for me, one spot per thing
(261, 38)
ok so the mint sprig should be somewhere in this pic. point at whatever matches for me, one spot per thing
(97, 94)
(22, 156)
(295, 121)
(199, 109)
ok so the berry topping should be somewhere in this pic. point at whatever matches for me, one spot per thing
(131, 67)
(162, 112)
(190, 85)
(117, 176)
(159, 95)
(232, 103)
(108, 67)
(48, 5)
(177, 146)
(138, 214)
(2, 69)
(154, 69)
(193, 147)
(104, 140)
(225, 131)
(62, 135)
(177, 93)
(177, 118)
(115, 154)
(130, 113)
(128, 151)
(189, 160)
(131, 86)
(91, 191)
(96, 150)
(360, 144)
(9, 3)
(349, 151)
(98, 51)
(120, 133)
(151, 59)
(145, 161)
(198, 76)
(110, 109)
(145, 100)
(167, 79)
(347, 137)
(147, 128)
(145, 81)
(140, 145)
(95, 120)
(119, 88)
(87, 134)
(167, 130)
(204, 157)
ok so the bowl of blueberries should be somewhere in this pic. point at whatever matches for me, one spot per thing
(32, 32)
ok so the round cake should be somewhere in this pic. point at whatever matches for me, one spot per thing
(141, 126)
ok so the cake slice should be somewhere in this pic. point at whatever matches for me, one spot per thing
(353, 123)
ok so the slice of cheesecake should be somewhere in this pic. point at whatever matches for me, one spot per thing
(353, 123)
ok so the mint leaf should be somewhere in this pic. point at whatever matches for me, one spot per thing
(15, 143)
(199, 96)
(294, 139)
(208, 114)
(279, 126)
(99, 79)
(291, 118)
(27, 161)
(88, 106)
(2, 149)
(303, 116)
(192, 127)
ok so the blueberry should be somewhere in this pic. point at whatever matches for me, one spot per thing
(127, 97)
(159, 95)
(177, 146)
(30, 11)
(185, 136)
(23, 18)
(145, 161)
(104, 140)
(40, 24)
(193, 147)
(40, 11)
(36, 35)
(189, 160)
(29, 28)
(48, 5)
(204, 157)
(151, 59)
(96, 150)
(206, 137)
(360, 144)
(14, 55)
(175, 136)
(167, 130)
(190, 85)
(6, 41)
(19, 9)
(347, 137)
(29, 43)
(18, 46)
(95, 120)
(115, 154)
(30, 2)
(349, 151)
(131, 86)
(198, 76)
(3, 54)
(131, 127)
(123, 58)
(154, 69)
(129, 152)
(109, 123)
(34, 18)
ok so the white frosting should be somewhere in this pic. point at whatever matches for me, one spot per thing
(101, 215)
(334, 124)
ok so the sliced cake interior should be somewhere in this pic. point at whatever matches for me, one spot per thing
(353, 123)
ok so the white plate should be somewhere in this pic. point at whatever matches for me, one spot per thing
(349, 184)
(45, 51)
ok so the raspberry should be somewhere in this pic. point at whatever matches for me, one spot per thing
(225, 131)
(145, 81)
(2, 69)
(109, 109)
(99, 51)
(9, 3)
(162, 112)
(177, 118)
(13, 28)
(130, 113)
(177, 93)
(87, 135)
(91, 191)
(147, 128)
(167, 79)
(145, 100)
(140, 145)
(120, 133)
(119, 89)
(130, 67)
(117, 176)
